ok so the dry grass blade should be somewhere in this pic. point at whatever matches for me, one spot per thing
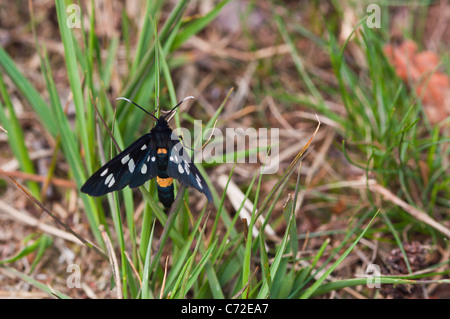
(164, 279)
(22, 294)
(416, 213)
(136, 273)
(264, 53)
(29, 220)
(113, 261)
(62, 224)
(210, 136)
(104, 124)
(236, 196)
(290, 167)
(246, 285)
(312, 137)
(41, 179)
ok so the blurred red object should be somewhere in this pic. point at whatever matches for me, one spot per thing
(419, 70)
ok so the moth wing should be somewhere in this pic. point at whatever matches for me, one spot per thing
(184, 170)
(133, 167)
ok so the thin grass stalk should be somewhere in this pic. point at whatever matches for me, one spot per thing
(16, 137)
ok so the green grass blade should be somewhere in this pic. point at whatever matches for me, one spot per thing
(34, 246)
(44, 287)
(298, 62)
(176, 269)
(288, 207)
(146, 292)
(308, 293)
(352, 282)
(144, 36)
(265, 268)
(188, 275)
(74, 80)
(197, 25)
(246, 270)
(16, 137)
(204, 264)
(70, 147)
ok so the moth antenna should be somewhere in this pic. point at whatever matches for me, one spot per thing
(125, 99)
(179, 103)
(171, 116)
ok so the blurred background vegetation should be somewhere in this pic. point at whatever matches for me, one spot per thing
(372, 188)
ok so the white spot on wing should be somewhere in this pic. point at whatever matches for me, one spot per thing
(199, 181)
(180, 169)
(144, 169)
(108, 178)
(131, 165)
(104, 172)
(153, 159)
(125, 159)
(144, 147)
(112, 182)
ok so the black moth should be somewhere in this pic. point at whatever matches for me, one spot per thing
(155, 154)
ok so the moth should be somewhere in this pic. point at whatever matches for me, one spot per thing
(159, 154)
